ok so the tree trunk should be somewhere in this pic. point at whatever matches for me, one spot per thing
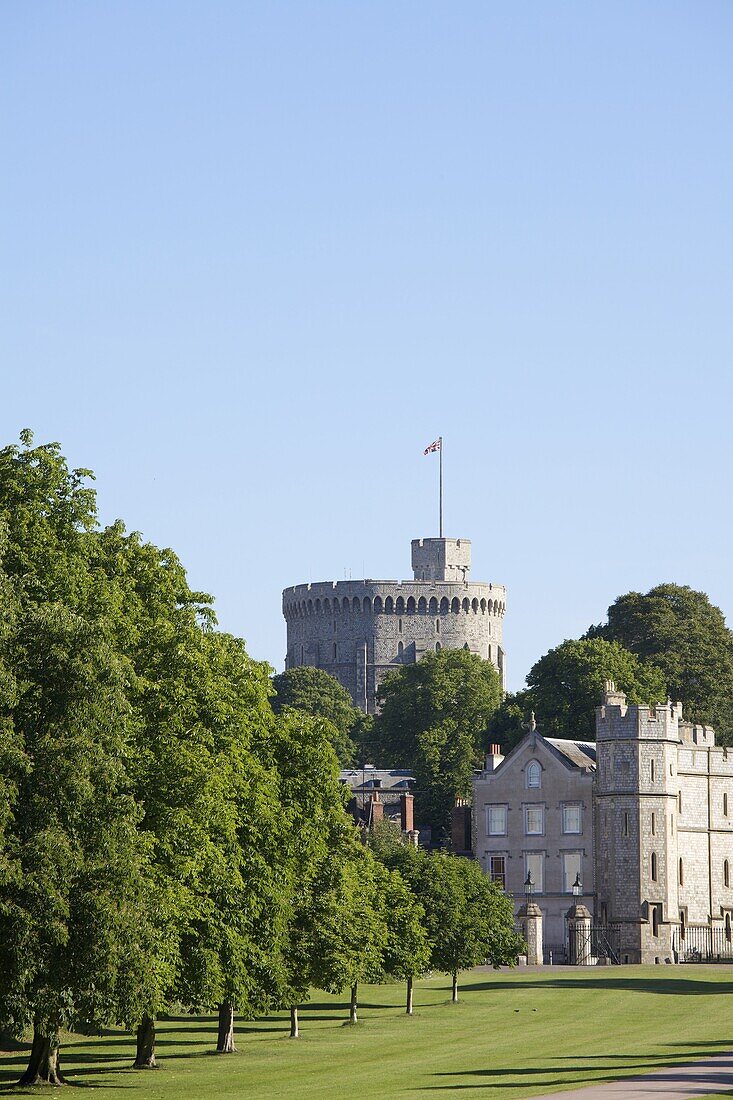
(353, 1018)
(454, 994)
(43, 1064)
(408, 1009)
(145, 1051)
(294, 1032)
(225, 1040)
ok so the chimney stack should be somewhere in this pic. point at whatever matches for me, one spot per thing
(376, 810)
(494, 758)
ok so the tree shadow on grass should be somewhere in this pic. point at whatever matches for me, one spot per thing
(688, 987)
(707, 1076)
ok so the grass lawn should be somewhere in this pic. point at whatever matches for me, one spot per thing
(514, 1034)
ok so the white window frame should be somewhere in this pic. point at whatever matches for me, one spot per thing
(569, 879)
(534, 768)
(489, 808)
(536, 806)
(572, 806)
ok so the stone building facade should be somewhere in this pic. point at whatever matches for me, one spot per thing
(655, 840)
(360, 630)
(533, 814)
(664, 827)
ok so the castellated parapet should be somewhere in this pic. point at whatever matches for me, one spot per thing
(361, 630)
(664, 837)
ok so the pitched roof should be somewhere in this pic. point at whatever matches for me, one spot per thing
(580, 753)
(387, 779)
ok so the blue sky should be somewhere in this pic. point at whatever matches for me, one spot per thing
(258, 255)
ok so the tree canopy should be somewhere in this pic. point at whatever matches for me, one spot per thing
(314, 691)
(566, 685)
(433, 720)
(681, 632)
(469, 920)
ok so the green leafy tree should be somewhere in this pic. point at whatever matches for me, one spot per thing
(566, 685)
(468, 919)
(316, 692)
(351, 938)
(681, 632)
(433, 720)
(407, 952)
(210, 802)
(228, 948)
(73, 894)
(319, 840)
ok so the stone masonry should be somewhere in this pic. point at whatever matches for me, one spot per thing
(360, 630)
(645, 815)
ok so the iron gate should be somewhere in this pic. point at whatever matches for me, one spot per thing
(598, 945)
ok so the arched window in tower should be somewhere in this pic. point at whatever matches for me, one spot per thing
(400, 606)
(411, 605)
(725, 804)
(433, 606)
(683, 924)
(651, 770)
(655, 920)
(422, 605)
(726, 873)
(654, 869)
(444, 605)
(534, 774)
(727, 927)
(437, 626)
(389, 605)
(400, 650)
(437, 647)
(455, 604)
(334, 653)
(682, 873)
(399, 626)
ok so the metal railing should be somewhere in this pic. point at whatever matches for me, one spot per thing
(698, 943)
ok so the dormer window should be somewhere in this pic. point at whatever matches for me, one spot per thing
(534, 775)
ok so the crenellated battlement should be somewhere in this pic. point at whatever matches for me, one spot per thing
(618, 720)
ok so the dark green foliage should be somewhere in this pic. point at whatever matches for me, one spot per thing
(682, 633)
(433, 720)
(511, 720)
(469, 920)
(316, 692)
(74, 897)
(566, 685)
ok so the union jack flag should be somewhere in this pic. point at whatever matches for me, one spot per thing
(433, 446)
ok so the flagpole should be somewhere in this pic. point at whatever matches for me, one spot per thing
(440, 450)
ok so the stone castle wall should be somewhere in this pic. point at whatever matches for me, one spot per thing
(360, 630)
(664, 830)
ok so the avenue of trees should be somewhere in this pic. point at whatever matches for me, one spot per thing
(168, 837)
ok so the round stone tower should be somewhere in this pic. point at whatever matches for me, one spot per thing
(360, 630)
